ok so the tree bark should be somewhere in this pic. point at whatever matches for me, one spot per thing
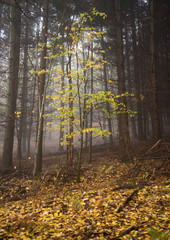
(156, 133)
(107, 103)
(41, 91)
(23, 116)
(123, 117)
(81, 118)
(137, 78)
(62, 105)
(71, 118)
(35, 80)
(14, 51)
(91, 112)
(130, 82)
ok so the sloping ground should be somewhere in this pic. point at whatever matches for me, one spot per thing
(109, 203)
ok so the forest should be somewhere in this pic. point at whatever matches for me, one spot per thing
(84, 119)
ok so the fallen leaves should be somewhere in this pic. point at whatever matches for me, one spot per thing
(88, 210)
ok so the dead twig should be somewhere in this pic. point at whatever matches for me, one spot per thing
(120, 208)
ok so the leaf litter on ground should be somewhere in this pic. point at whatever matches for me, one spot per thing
(107, 204)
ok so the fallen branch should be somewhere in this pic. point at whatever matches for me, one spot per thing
(123, 233)
(9, 176)
(127, 231)
(153, 146)
(120, 208)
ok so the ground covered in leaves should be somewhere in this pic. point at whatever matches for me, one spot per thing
(111, 202)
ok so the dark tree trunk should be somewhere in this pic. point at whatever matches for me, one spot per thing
(33, 96)
(123, 118)
(153, 77)
(31, 120)
(142, 80)
(71, 118)
(23, 116)
(137, 78)
(107, 103)
(130, 81)
(91, 112)
(41, 91)
(62, 106)
(14, 51)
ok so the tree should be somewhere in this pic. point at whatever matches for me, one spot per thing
(62, 104)
(123, 117)
(41, 92)
(136, 73)
(14, 50)
(153, 77)
(91, 112)
(23, 114)
(129, 77)
(106, 89)
(71, 114)
(74, 115)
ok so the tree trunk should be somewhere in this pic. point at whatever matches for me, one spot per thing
(130, 82)
(142, 79)
(81, 118)
(23, 116)
(31, 119)
(85, 99)
(41, 91)
(14, 50)
(33, 96)
(91, 112)
(62, 106)
(71, 118)
(123, 118)
(107, 103)
(137, 78)
(153, 77)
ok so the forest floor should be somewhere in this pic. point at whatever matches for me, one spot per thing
(114, 200)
